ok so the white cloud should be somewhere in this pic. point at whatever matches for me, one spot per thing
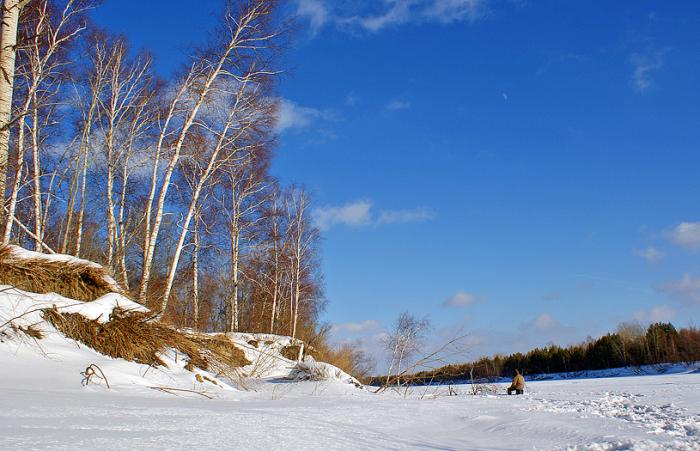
(544, 322)
(315, 12)
(353, 214)
(686, 235)
(645, 64)
(396, 105)
(293, 116)
(661, 313)
(405, 216)
(390, 13)
(360, 213)
(447, 11)
(650, 254)
(357, 328)
(399, 13)
(686, 289)
(460, 299)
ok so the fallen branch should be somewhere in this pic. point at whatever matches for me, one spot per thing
(171, 389)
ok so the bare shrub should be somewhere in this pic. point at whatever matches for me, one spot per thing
(404, 341)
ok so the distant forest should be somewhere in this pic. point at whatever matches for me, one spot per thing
(630, 345)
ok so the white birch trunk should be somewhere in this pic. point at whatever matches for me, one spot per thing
(36, 179)
(8, 43)
(195, 273)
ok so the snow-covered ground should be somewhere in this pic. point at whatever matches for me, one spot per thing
(641, 412)
(271, 406)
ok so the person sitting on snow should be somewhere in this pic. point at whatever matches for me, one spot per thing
(518, 385)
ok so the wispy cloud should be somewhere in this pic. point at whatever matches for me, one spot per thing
(291, 115)
(361, 213)
(545, 321)
(365, 15)
(315, 12)
(644, 66)
(357, 328)
(353, 214)
(460, 299)
(686, 289)
(686, 235)
(396, 105)
(656, 314)
(447, 11)
(651, 254)
(405, 216)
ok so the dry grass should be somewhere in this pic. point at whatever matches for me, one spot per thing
(31, 331)
(133, 336)
(72, 279)
(291, 352)
(129, 336)
(222, 349)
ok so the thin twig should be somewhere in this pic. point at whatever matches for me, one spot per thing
(171, 389)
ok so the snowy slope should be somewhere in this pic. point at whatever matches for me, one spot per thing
(59, 361)
(56, 361)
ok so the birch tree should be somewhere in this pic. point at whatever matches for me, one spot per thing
(8, 43)
(121, 122)
(43, 62)
(246, 39)
(245, 182)
(302, 240)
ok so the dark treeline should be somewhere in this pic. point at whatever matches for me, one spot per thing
(630, 345)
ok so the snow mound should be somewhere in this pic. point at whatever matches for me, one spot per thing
(58, 362)
(311, 370)
(270, 356)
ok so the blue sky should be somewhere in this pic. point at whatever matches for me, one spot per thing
(525, 171)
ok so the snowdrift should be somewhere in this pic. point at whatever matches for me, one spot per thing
(34, 351)
(275, 357)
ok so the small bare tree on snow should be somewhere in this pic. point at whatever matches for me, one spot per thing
(404, 342)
